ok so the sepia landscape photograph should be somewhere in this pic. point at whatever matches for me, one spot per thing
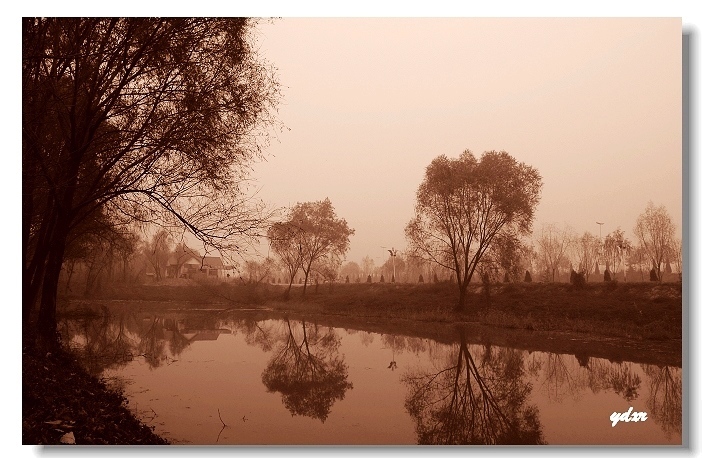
(249, 231)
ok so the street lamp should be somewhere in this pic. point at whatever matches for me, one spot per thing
(599, 248)
(393, 253)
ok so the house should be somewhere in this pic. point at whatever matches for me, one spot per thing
(190, 264)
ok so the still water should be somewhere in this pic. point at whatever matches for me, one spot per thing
(209, 377)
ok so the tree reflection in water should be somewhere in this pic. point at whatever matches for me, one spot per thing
(257, 333)
(308, 371)
(665, 397)
(478, 397)
(464, 403)
(562, 379)
(106, 341)
(111, 340)
(624, 381)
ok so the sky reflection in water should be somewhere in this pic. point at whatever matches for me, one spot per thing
(284, 381)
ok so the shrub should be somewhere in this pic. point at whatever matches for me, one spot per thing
(653, 275)
(577, 279)
(612, 285)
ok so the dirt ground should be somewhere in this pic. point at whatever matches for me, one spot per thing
(62, 404)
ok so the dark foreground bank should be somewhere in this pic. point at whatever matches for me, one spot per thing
(60, 401)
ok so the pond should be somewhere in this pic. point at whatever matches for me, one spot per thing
(254, 378)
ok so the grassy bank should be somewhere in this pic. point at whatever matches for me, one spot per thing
(639, 311)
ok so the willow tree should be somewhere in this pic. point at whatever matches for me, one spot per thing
(153, 120)
(464, 203)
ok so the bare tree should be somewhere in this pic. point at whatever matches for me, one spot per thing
(328, 267)
(655, 231)
(511, 256)
(312, 232)
(352, 270)
(96, 250)
(553, 245)
(615, 249)
(586, 249)
(157, 252)
(676, 254)
(463, 203)
(286, 243)
(259, 271)
(394, 266)
(147, 119)
(368, 265)
(639, 258)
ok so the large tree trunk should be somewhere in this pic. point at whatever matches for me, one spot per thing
(462, 296)
(34, 272)
(47, 336)
(50, 253)
(307, 274)
(286, 295)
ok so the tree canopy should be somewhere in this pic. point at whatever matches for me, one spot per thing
(463, 203)
(310, 234)
(148, 119)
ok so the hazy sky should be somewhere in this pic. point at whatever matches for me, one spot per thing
(593, 104)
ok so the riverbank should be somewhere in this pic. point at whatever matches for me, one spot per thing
(634, 310)
(61, 403)
(612, 321)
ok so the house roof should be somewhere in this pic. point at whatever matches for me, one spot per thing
(184, 256)
(190, 256)
(213, 262)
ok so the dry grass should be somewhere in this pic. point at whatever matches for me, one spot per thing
(644, 311)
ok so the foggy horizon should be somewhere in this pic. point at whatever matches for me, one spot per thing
(593, 104)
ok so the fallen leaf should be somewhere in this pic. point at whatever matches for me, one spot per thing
(68, 439)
